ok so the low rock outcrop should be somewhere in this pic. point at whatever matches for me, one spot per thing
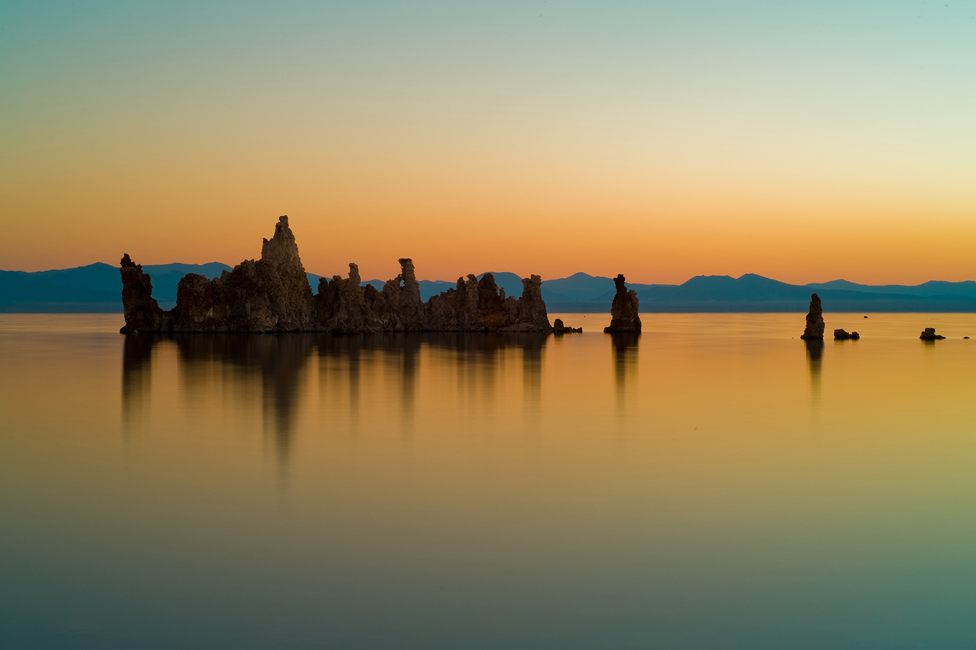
(624, 316)
(815, 322)
(844, 335)
(559, 328)
(272, 294)
(929, 335)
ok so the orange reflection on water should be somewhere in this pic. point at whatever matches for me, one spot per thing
(715, 469)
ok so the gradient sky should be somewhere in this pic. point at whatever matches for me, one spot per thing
(805, 141)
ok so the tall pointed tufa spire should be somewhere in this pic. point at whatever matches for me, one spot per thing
(815, 322)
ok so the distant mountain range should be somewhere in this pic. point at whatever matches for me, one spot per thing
(98, 288)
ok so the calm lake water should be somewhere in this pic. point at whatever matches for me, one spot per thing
(714, 484)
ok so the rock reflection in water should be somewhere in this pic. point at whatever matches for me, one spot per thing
(815, 348)
(625, 347)
(280, 364)
(136, 379)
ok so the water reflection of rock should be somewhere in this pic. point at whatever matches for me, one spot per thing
(477, 357)
(815, 348)
(279, 363)
(136, 378)
(625, 347)
(277, 359)
(341, 360)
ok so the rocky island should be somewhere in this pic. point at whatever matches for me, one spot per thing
(272, 294)
(559, 328)
(928, 334)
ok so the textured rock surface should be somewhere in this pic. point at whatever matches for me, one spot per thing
(272, 295)
(843, 335)
(929, 335)
(815, 322)
(624, 316)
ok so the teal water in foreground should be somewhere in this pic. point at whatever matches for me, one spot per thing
(716, 483)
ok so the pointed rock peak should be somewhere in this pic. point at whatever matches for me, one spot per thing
(282, 249)
(815, 322)
(127, 262)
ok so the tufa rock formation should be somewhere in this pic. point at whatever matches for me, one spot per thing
(843, 335)
(269, 295)
(272, 294)
(142, 312)
(930, 335)
(623, 310)
(815, 322)
(559, 328)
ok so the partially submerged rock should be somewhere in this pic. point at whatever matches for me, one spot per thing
(815, 322)
(272, 294)
(929, 335)
(843, 335)
(624, 315)
(559, 328)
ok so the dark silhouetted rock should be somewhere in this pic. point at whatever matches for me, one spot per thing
(930, 335)
(559, 328)
(480, 306)
(530, 308)
(624, 317)
(272, 295)
(142, 312)
(267, 295)
(815, 322)
(843, 335)
(341, 306)
(401, 308)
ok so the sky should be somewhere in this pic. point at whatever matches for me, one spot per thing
(805, 141)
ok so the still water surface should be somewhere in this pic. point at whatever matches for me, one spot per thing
(714, 484)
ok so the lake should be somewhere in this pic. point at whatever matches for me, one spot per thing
(716, 483)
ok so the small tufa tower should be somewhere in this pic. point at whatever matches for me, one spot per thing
(815, 322)
(624, 317)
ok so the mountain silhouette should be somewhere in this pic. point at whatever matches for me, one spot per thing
(97, 288)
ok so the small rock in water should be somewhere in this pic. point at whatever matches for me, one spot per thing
(559, 328)
(930, 335)
(843, 335)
